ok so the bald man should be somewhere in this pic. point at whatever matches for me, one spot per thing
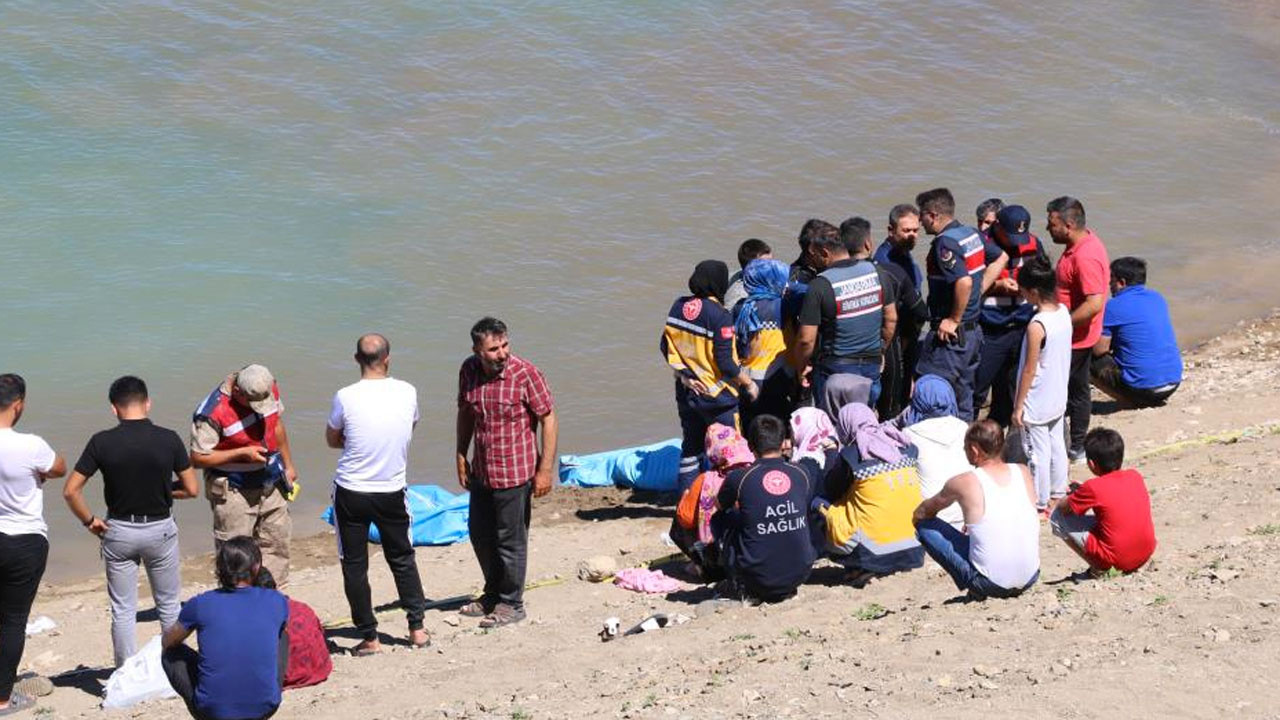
(372, 423)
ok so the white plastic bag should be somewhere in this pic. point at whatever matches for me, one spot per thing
(139, 679)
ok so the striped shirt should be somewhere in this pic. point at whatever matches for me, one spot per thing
(505, 409)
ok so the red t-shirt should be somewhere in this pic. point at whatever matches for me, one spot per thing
(1084, 270)
(309, 661)
(1124, 536)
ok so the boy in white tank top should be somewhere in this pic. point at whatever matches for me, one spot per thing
(1043, 371)
(999, 554)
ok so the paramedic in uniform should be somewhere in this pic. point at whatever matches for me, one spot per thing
(698, 344)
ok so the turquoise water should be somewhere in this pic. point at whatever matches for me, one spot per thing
(186, 187)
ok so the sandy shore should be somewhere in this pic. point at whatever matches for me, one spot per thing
(1192, 635)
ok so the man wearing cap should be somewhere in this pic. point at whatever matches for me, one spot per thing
(1005, 314)
(238, 439)
(954, 267)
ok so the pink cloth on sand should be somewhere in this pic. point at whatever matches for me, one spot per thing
(646, 581)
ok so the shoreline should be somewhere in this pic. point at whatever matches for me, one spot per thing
(311, 543)
(1190, 635)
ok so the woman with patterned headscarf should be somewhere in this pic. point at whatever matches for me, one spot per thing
(727, 450)
(873, 487)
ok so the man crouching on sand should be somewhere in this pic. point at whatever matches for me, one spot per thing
(1000, 555)
(502, 399)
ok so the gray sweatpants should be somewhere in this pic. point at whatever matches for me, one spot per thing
(125, 546)
(1046, 449)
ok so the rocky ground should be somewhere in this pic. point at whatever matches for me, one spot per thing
(1191, 635)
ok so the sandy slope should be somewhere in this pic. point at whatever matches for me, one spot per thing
(1193, 635)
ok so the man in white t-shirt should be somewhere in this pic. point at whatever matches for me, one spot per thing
(26, 461)
(372, 423)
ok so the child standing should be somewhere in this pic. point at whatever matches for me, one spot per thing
(1043, 370)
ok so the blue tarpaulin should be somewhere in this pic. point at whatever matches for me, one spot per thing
(651, 467)
(436, 516)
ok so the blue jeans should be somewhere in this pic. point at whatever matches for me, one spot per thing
(825, 369)
(950, 548)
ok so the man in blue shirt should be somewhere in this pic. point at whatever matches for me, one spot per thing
(954, 268)
(1137, 360)
(244, 642)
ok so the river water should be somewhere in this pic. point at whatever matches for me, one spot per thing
(186, 187)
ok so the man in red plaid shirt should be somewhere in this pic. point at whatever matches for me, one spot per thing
(502, 399)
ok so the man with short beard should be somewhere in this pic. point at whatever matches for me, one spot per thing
(502, 400)
(894, 255)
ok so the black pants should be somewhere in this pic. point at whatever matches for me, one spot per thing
(22, 561)
(895, 383)
(997, 365)
(181, 667)
(499, 526)
(1107, 377)
(353, 513)
(1079, 398)
(776, 399)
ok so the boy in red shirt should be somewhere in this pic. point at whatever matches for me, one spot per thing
(1107, 520)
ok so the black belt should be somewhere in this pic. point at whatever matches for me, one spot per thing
(125, 517)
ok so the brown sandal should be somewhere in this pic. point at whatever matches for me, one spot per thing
(502, 615)
(475, 608)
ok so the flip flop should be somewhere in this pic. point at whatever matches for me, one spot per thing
(365, 651)
(17, 703)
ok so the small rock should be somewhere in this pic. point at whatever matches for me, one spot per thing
(943, 681)
(983, 671)
(1266, 603)
(1066, 663)
(596, 569)
(1221, 636)
(988, 685)
(452, 621)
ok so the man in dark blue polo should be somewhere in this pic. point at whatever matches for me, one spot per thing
(848, 314)
(1137, 360)
(894, 254)
(763, 528)
(954, 268)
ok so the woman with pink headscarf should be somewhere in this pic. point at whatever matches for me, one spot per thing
(873, 486)
(727, 450)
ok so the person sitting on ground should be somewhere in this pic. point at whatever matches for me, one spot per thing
(727, 451)
(998, 555)
(1137, 360)
(762, 526)
(813, 441)
(752, 249)
(930, 423)
(242, 633)
(762, 343)
(871, 487)
(1107, 520)
(309, 661)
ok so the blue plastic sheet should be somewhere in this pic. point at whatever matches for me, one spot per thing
(436, 516)
(650, 467)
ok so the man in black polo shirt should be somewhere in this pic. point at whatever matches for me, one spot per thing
(849, 313)
(138, 461)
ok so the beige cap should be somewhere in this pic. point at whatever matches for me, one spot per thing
(255, 381)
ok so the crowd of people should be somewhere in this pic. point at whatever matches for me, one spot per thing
(859, 379)
(862, 381)
(254, 641)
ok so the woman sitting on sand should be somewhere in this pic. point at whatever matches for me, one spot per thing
(932, 425)
(727, 450)
(873, 486)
